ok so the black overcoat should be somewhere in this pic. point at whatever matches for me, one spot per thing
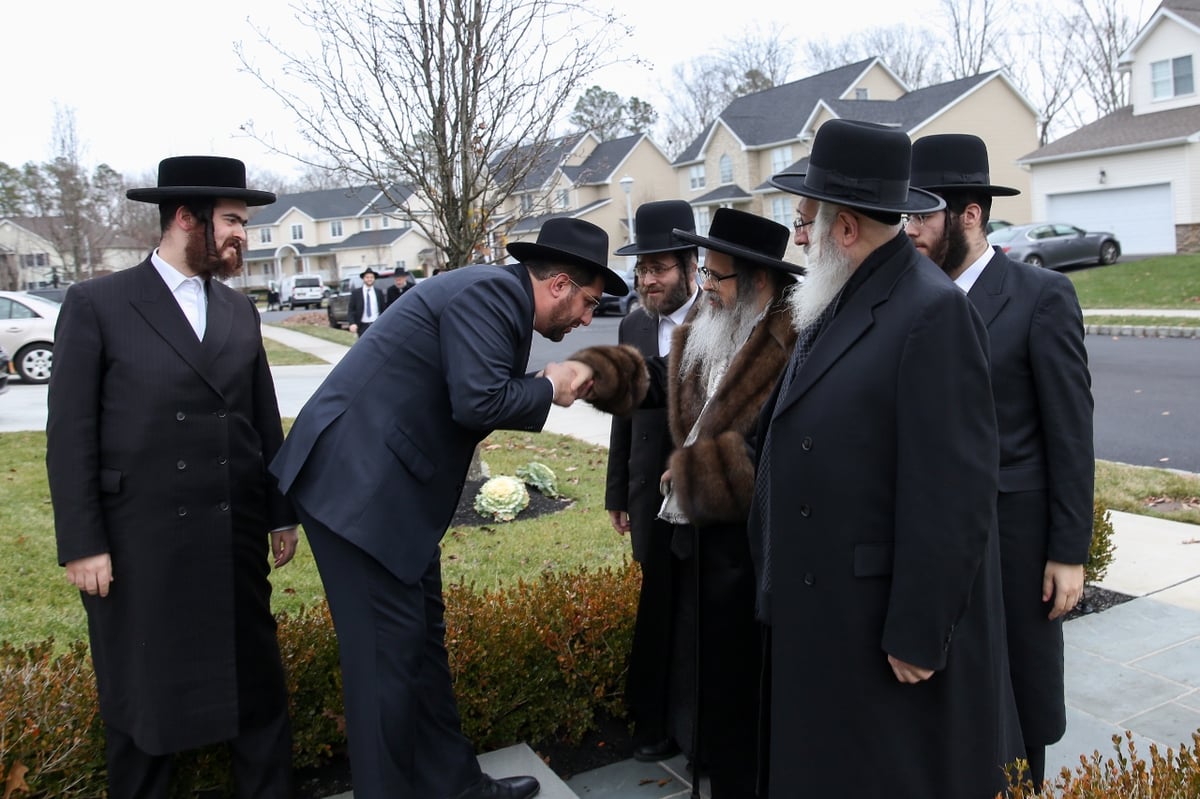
(1044, 405)
(157, 446)
(882, 483)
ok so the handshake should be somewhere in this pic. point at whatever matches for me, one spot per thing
(572, 380)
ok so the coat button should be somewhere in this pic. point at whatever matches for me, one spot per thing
(806, 444)
(222, 460)
(809, 579)
(221, 414)
(224, 506)
(182, 511)
(805, 511)
(181, 465)
(180, 416)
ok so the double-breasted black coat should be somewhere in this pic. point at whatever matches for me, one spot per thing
(1042, 388)
(881, 483)
(157, 446)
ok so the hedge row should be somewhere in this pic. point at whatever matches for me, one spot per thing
(531, 663)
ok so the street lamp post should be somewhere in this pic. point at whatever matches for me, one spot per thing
(627, 185)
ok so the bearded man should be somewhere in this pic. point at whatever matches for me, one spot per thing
(722, 366)
(874, 527)
(162, 420)
(1043, 394)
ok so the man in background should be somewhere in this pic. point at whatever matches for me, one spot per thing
(402, 282)
(366, 303)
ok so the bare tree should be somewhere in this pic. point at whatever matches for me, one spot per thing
(974, 30)
(1105, 31)
(432, 94)
(910, 52)
(1045, 67)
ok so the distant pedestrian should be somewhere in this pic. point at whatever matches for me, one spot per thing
(366, 303)
(403, 281)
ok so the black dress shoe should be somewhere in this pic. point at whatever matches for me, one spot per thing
(659, 750)
(503, 788)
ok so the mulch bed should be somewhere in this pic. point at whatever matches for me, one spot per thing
(539, 505)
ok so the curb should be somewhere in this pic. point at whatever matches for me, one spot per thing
(1142, 331)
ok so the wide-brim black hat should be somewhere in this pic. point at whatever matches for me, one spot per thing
(185, 177)
(860, 165)
(653, 230)
(368, 271)
(954, 162)
(747, 236)
(572, 241)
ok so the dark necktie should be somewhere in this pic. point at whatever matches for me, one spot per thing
(370, 307)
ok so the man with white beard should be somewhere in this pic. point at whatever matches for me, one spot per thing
(874, 527)
(722, 367)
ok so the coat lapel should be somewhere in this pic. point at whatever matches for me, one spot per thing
(216, 329)
(988, 292)
(154, 303)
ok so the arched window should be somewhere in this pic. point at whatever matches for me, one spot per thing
(726, 169)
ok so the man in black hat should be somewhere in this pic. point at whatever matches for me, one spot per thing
(637, 456)
(385, 430)
(403, 282)
(1042, 390)
(874, 527)
(162, 420)
(722, 366)
(366, 303)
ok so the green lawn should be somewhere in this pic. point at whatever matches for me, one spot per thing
(1172, 281)
(283, 355)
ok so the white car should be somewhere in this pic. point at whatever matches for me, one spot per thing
(27, 334)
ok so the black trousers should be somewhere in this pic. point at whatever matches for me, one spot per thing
(646, 686)
(402, 722)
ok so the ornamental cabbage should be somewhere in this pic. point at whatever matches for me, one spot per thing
(540, 476)
(502, 498)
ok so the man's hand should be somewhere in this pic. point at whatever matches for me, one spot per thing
(620, 521)
(568, 378)
(907, 672)
(1063, 582)
(283, 545)
(92, 575)
(353, 328)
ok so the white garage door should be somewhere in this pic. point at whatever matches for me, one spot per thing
(1141, 216)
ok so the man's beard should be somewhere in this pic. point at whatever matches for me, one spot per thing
(206, 260)
(952, 249)
(715, 336)
(668, 301)
(829, 267)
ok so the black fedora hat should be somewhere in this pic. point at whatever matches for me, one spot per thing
(949, 161)
(368, 271)
(185, 177)
(860, 165)
(652, 231)
(572, 241)
(748, 236)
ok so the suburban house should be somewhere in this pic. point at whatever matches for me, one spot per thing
(771, 131)
(584, 178)
(36, 252)
(1136, 171)
(335, 233)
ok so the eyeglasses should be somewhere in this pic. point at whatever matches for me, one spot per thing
(800, 224)
(918, 220)
(593, 302)
(657, 270)
(707, 274)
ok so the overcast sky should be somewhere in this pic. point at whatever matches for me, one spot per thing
(148, 79)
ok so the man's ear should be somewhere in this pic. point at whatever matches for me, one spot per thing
(845, 228)
(184, 218)
(971, 216)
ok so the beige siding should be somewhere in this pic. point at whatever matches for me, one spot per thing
(1168, 40)
(879, 83)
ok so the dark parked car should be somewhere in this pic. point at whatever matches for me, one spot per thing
(1055, 245)
(620, 305)
(3, 370)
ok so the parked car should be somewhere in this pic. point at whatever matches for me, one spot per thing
(1055, 245)
(995, 224)
(4, 362)
(302, 291)
(620, 305)
(27, 331)
(52, 294)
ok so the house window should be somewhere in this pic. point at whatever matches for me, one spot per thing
(781, 211)
(564, 198)
(34, 259)
(702, 221)
(696, 176)
(781, 158)
(335, 227)
(400, 264)
(1172, 77)
(526, 203)
(726, 169)
(297, 232)
(264, 236)
(862, 94)
(385, 222)
(366, 223)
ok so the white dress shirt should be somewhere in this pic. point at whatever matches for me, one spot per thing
(370, 305)
(667, 324)
(967, 279)
(187, 291)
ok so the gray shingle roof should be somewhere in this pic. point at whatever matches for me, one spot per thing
(370, 238)
(340, 203)
(726, 193)
(1187, 9)
(599, 166)
(531, 223)
(552, 157)
(911, 109)
(779, 113)
(1119, 130)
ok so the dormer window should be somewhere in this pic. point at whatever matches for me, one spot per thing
(862, 94)
(1172, 77)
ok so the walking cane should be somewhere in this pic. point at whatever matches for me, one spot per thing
(696, 709)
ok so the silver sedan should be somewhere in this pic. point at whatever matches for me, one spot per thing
(1055, 245)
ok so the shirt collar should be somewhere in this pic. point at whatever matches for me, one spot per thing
(679, 314)
(170, 275)
(969, 275)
